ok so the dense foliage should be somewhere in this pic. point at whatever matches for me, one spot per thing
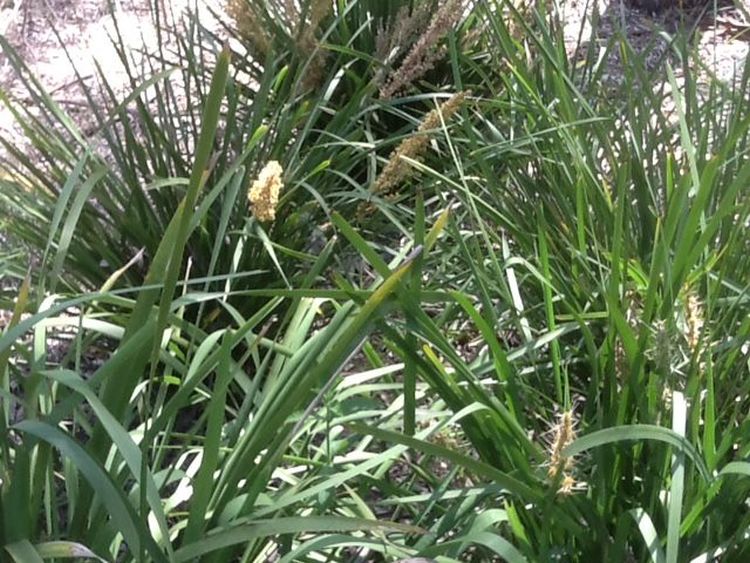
(367, 280)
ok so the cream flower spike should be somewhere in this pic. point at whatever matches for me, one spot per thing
(264, 193)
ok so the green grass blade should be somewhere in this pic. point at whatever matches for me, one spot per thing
(203, 483)
(477, 467)
(495, 543)
(123, 516)
(74, 214)
(23, 552)
(243, 533)
(358, 242)
(65, 550)
(126, 447)
(635, 432)
(649, 534)
(677, 488)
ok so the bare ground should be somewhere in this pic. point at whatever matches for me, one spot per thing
(37, 30)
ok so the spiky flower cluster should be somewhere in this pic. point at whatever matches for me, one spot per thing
(694, 329)
(693, 320)
(264, 193)
(392, 41)
(564, 434)
(426, 51)
(398, 168)
(251, 27)
(307, 42)
(680, 340)
(249, 19)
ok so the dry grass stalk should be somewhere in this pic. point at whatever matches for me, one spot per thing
(251, 26)
(307, 44)
(426, 51)
(564, 434)
(393, 40)
(264, 193)
(559, 463)
(249, 19)
(319, 9)
(414, 147)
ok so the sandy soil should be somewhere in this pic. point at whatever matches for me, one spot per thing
(37, 29)
(720, 32)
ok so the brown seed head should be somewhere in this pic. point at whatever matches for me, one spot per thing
(251, 26)
(564, 434)
(694, 318)
(398, 169)
(426, 51)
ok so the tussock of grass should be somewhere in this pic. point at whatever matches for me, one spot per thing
(544, 356)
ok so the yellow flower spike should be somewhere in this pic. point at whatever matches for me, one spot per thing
(264, 193)
(564, 434)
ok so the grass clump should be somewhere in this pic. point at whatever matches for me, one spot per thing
(516, 335)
